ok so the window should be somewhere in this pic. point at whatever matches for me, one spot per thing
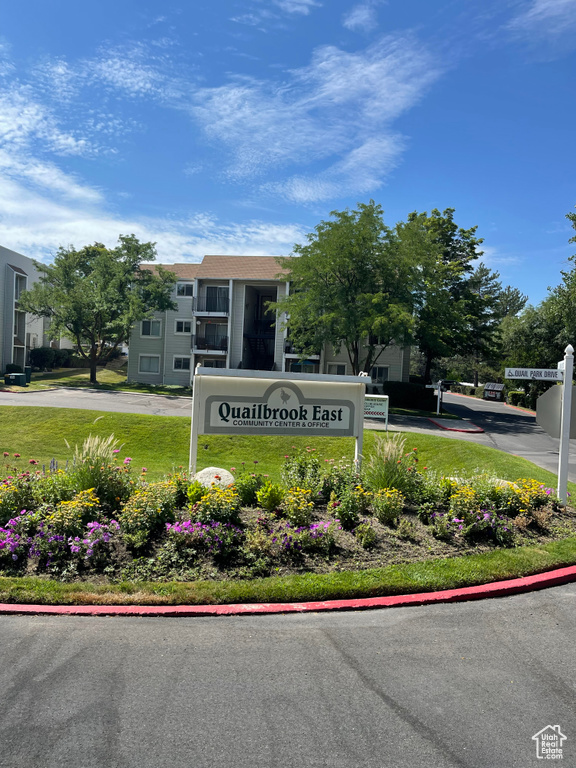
(149, 364)
(150, 328)
(216, 298)
(183, 326)
(337, 369)
(181, 363)
(307, 366)
(380, 373)
(184, 289)
(214, 363)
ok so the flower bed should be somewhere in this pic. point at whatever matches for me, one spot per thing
(100, 519)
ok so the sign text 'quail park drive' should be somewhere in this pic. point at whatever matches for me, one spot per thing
(535, 374)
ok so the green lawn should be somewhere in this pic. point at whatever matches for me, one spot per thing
(161, 443)
(108, 380)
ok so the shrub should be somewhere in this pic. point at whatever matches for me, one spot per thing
(16, 493)
(93, 547)
(387, 504)
(390, 467)
(366, 535)
(247, 485)
(464, 501)
(517, 397)
(337, 476)
(69, 517)
(195, 491)
(298, 506)
(218, 539)
(13, 368)
(352, 503)
(270, 496)
(53, 487)
(217, 504)
(314, 537)
(303, 470)
(42, 357)
(147, 511)
(487, 524)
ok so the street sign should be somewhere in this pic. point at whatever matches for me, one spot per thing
(535, 374)
(548, 409)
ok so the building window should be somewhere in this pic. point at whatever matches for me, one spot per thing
(181, 363)
(337, 369)
(379, 374)
(184, 289)
(214, 363)
(149, 364)
(150, 328)
(183, 326)
(307, 366)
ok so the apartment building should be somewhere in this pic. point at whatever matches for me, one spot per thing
(222, 321)
(19, 332)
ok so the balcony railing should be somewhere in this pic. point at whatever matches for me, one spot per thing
(212, 343)
(289, 350)
(216, 304)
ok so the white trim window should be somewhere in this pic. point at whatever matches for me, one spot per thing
(214, 363)
(184, 289)
(181, 363)
(151, 329)
(183, 327)
(379, 374)
(148, 363)
(337, 369)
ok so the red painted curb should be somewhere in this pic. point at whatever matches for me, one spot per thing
(457, 429)
(496, 589)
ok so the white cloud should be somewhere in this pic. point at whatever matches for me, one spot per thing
(361, 17)
(545, 19)
(338, 109)
(296, 6)
(36, 225)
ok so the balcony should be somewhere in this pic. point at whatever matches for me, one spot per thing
(210, 344)
(290, 352)
(211, 305)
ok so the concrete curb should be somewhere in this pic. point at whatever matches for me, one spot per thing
(496, 589)
(474, 429)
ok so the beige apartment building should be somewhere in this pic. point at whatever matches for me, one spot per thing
(222, 321)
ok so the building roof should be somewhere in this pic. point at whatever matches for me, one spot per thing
(226, 268)
(17, 269)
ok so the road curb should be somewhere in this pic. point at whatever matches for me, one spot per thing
(495, 589)
(476, 429)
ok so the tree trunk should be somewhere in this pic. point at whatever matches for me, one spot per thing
(93, 362)
(428, 368)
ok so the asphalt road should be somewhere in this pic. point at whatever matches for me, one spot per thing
(507, 429)
(464, 685)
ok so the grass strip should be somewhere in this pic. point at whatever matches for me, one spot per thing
(429, 576)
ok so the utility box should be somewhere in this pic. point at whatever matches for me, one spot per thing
(15, 379)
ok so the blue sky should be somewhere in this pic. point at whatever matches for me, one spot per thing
(235, 126)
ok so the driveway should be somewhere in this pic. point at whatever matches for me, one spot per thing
(462, 685)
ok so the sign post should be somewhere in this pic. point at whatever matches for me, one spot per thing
(568, 368)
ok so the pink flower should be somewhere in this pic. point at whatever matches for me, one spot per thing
(33, 461)
(127, 460)
(144, 470)
(6, 453)
(16, 455)
(116, 450)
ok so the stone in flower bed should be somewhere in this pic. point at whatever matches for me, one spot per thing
(214, 476)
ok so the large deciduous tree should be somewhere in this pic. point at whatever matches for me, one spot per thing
(353, 285)
(95, 295)
(443, 326)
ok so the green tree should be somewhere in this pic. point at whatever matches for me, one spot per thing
(95, 295)
(443, 326)
(354, 284)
